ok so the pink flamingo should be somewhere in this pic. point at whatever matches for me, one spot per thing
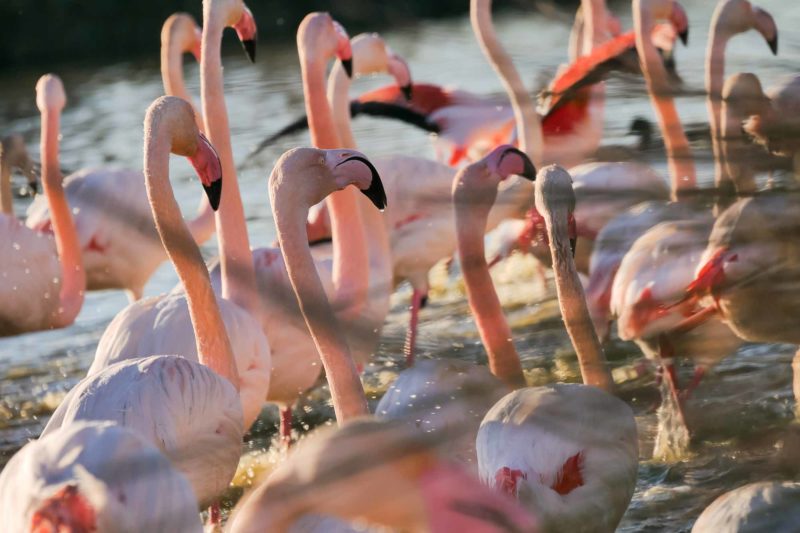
(95, 476)
(14, 155)
(616, 238)
(297, 182)
(162, 324)
(118, 239)
(655, 271)
(43, 290)
(567, 452)
(190, 410)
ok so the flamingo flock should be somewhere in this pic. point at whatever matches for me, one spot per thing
(151, 438)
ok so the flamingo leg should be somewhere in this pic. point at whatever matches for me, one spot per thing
(699, 372)
(418, 301)
(796, 381)
(666, 351)
(286, 425)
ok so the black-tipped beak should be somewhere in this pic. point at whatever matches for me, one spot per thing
(684, 36)
(528, 169)
(214, 193)
(407, 92)
(348, 67)
(573, 244)
(34, 187)
(375, 191)
(250, 49)
(773, 45)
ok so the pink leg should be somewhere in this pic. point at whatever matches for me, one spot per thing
(214, 514)
(671, 376)
(699, 372)
(418, 299)
(286, 426)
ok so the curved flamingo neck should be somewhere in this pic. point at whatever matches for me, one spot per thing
(378, 244)
(238, 272)
(470, 220)
(73, 276)
(571, 298)
(714, 78)
(291, 197)
(736, 162)
(213, 346)
(350, 254)
(527, 120)
(681, 165)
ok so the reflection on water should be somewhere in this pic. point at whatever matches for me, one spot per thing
(741, 412)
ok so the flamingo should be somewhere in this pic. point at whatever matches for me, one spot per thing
(95, 476)
(118, 239)
(749, 266)
(42, 290)
(377, 472)
(190, 410)
(616, 238)
(764, 506)
(300, 179)
(567, 452)
(14, 155)
(655, 271)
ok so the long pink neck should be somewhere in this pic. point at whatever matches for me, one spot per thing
(681, 165)
(715, 76)
(350, 253)
(376, 234)
(290, 209)
(213, 346)
(515, 199)
(572, 301)
(238, 273)
(202, 226)
(73, 276)
(483, 301)
(594, 31)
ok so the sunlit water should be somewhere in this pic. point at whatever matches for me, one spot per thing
(742, 413)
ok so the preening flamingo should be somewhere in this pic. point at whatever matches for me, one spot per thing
(379, 472)
(95, 476)
(308, 481)
(765, 506)
(42, 289)
(191, 411)
(567, 452)
(118, 240)
(14, 155)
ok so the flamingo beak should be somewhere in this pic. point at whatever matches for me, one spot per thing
(375, 191)
(348, 67)
(408, 92)
(528, 170)
(398, 68)
(765, 25)
(773, 45)
(209, 169)
(248, 33)
(344, 50)
(197, 45)
(680, 21)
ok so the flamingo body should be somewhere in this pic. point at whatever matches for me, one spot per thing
(767, 506)
(126, 484)
(576, 451)
(31, 278)
(189, 412)
(162, 325)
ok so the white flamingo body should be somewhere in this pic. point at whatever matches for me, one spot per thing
(193, 415)
(543, 432)
(444, 396)
(118, 238)
(127, 482)
(767, 506)
(162, 325)
(31, 278)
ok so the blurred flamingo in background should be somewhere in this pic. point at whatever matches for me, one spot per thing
(43, 287)
(14, 155)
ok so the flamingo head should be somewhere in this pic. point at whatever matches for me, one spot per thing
(555, 195)
(765, 25)
(680, 21)
(320, 38)
(350, 167)
(67, 511)
(196, 44)
(505, 160)
(344, 50)
(371, 55)
(50, 95)
(740, 16)
(248, 32)
(207, 165)
(181, 31)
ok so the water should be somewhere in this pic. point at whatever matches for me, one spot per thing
(742, 412)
